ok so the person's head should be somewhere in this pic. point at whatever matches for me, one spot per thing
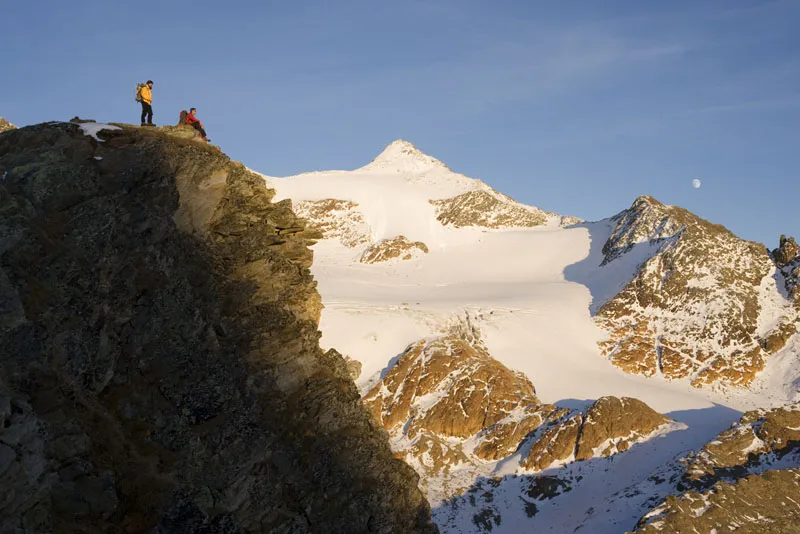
(150, 84)
(192, 110)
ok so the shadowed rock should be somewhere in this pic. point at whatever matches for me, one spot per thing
(160, 369)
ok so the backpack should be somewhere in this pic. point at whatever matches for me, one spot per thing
(139, 91)
(182, 118)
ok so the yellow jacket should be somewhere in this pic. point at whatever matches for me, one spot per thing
(147, 95)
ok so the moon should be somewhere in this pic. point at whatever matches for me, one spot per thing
(696, 183)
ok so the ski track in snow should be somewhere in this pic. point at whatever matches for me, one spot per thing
(532, 293)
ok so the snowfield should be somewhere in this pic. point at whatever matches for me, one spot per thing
(532, 293)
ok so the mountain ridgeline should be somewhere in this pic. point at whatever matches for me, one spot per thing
(482, 297)
(160, 367)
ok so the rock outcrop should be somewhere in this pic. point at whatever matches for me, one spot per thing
(609, 426)
(336, 219)
(444, 388)
(160, 369)
(759, 437)
(486, 208)
(446, 402)
(747, 479)
(397, 248)
(5, 125)
(787, 251)
(691, 310)
(757, 504)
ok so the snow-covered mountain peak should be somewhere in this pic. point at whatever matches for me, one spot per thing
(402, 156)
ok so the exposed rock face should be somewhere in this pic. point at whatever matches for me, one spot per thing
(787, 259)
(5, 125)
(336, 219)
(160, 365)
(447, 402)
(487, 208)
(684, 314)
(757, 504)
(396, 248)
(786, 251)
(444, 388)
(555, 445)
(183, 131)
(757, 433)
(609, 426)
(613, 424)
(745, 480)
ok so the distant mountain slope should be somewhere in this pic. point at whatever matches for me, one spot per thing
(452, 301)
(704, 306)
(404, 192)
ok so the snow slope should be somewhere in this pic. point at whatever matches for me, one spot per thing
(531, 291)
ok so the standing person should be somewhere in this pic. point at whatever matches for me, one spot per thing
(147, 101)
(195, 123)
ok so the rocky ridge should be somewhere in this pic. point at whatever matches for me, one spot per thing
(161, 368)
(448, 404)
(486, 208)
(684, 316)
(747, 479)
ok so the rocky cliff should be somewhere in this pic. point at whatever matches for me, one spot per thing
(160, 368)
(705, 306)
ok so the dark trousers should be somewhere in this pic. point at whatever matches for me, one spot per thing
(196, 126)
(147, 111)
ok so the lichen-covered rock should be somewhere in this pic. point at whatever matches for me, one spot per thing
(183, 131)
(160, 367)
(396, 248)
(692, 309)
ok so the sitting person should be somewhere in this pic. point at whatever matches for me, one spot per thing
(195, 123)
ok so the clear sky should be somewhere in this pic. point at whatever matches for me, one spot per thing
(573, 106)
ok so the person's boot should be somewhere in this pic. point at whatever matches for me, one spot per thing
(144, 124)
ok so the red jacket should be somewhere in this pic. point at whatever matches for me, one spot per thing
(191, 119)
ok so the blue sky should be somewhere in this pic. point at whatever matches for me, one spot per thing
(576, 107)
